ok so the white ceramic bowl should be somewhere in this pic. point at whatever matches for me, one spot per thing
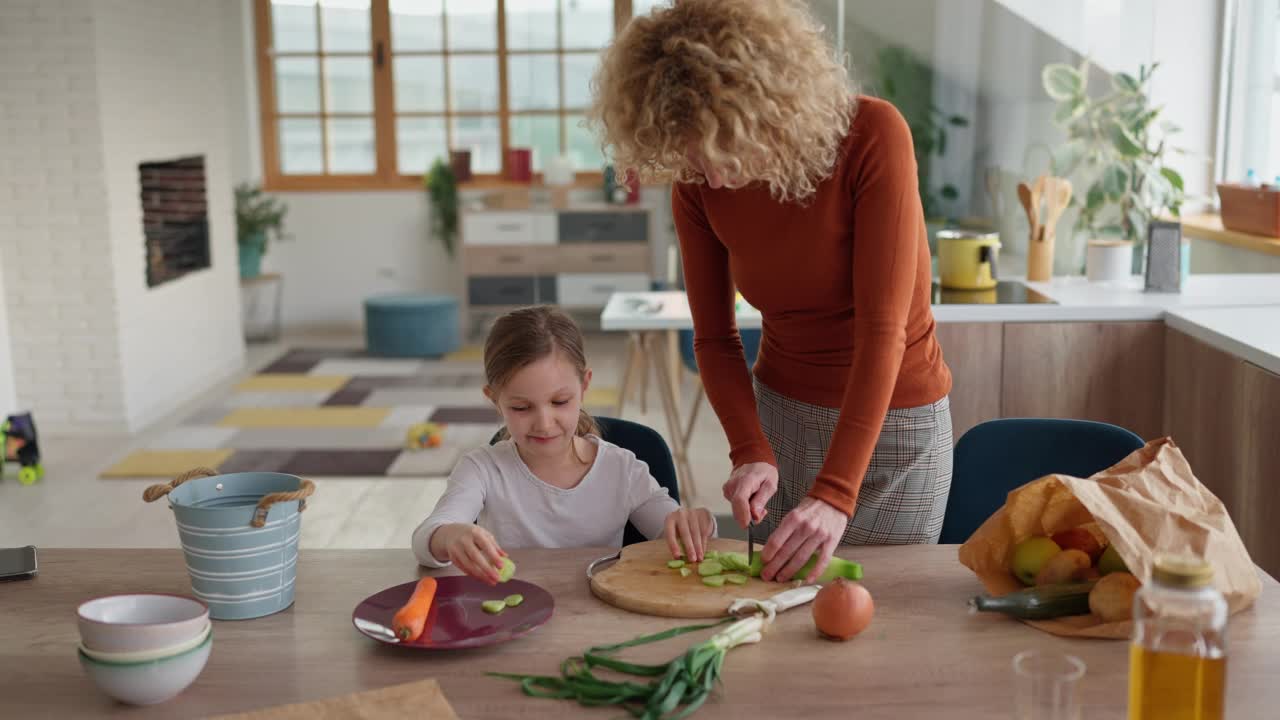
(139, 623)
(147, 655)
(149, 682)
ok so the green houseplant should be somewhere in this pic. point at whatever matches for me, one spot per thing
(907, 82)
(1119, 144)
(257, 216)
(442, 188)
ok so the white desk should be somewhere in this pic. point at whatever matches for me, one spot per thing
(651, 320)
(665, 310)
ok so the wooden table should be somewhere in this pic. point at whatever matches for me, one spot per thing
(923, 656)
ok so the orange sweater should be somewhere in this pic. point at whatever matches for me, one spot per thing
(843, 282)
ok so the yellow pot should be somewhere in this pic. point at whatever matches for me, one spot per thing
(967, 260)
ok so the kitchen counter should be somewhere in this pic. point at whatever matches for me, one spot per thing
(1075, 299)
(1250, 333)
(923, 656)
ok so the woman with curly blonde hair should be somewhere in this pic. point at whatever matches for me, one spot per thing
(804, 199)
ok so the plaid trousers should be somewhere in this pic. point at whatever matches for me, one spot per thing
(904, 492)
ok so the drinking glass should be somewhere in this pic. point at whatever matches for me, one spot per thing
(1047, 685)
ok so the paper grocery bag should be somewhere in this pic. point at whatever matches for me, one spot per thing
(1146, 504)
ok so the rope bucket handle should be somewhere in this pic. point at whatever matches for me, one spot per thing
(304, 491)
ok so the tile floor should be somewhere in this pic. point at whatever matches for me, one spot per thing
(73, 507)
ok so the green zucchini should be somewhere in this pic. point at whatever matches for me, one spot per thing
(736, 561)
(838, 567)
(709, 567)
(675, 564)
(1039, 603)
(714, 580)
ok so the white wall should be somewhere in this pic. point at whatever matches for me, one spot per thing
(58, 282)
(347, 246)
(162, 96)
(1187, 42)
(1116, 34)
(89, 91)
(8, 393)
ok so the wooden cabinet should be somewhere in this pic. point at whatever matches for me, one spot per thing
(1223, 413)
(575, 257)
(974, 352)
(1107, 371)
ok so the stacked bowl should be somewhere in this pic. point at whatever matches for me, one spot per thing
(143, 649)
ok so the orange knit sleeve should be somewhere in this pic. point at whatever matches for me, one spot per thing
(888, 224)
(717, 345)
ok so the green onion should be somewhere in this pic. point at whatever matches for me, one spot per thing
(681, 686)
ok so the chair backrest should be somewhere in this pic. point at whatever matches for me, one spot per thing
(997, 456)
(750, 347)
(649, 447)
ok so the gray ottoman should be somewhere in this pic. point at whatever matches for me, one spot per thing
(410, 325)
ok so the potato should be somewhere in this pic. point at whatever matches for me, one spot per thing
(1067, 566)
(1112, 598)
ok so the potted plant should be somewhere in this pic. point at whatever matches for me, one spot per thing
(1120, 145)
(257, 216)
(442, 188)
(907, 82)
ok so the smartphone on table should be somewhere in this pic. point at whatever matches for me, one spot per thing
(18, 563)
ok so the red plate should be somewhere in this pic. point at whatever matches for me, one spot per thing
(456, 619)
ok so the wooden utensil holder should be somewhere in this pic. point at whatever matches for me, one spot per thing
(1040, 257)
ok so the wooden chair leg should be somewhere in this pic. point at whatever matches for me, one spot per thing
(698, 394)
(643, 367)
(628, 373)
(684, 472)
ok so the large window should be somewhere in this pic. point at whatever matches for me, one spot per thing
(367, 93)
(1250, 109)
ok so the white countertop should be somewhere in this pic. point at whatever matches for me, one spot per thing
(1075, 299)
(1079, 300)
(1250, 333)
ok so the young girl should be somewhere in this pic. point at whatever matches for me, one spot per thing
(551, 481)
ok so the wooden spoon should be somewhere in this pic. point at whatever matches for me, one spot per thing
(1028, 204)
(1057, 197)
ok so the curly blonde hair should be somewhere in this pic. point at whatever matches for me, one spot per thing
(751, 84)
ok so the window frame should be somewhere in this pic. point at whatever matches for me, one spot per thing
(386, 175)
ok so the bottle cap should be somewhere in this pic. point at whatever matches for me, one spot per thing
(1181, 571)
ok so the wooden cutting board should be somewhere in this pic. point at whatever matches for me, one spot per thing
(641, 582)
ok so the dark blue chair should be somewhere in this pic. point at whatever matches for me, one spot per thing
(750, 349)
(997, 456)
(649, 447)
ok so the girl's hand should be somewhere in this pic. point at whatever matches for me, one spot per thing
(472, 549)
(689, 528)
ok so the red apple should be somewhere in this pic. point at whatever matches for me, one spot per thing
(1079, 538)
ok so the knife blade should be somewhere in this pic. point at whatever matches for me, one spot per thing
(751, 541)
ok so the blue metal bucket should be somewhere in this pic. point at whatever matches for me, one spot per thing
(239, 533)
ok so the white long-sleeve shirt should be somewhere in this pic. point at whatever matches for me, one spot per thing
(493, 487)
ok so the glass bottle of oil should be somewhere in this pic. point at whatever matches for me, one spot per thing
(1178, 654)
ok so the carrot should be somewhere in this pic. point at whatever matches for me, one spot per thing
(410, 620)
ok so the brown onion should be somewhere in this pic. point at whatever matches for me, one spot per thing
(842, 609)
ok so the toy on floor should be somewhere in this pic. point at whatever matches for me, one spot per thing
(18, 444)
(424, 435)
